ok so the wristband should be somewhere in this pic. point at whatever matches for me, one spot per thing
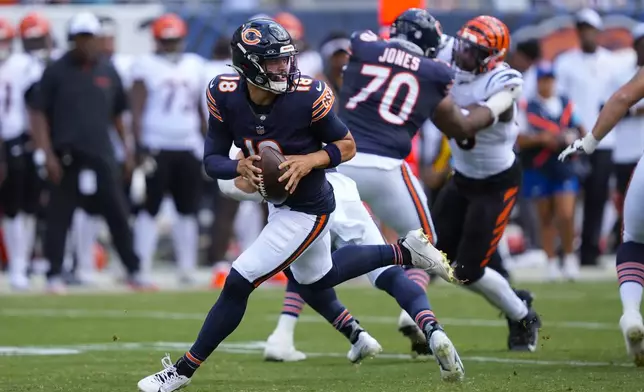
(499, 103)
(589, 143)
(335, 156)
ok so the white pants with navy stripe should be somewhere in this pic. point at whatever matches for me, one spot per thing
(351, 223)
(395, 196)
(290, 238)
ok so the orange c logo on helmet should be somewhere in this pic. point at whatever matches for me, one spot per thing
(251, 36)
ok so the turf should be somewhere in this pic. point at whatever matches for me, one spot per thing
(111, 341)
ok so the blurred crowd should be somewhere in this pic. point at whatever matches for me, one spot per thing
(561, 214)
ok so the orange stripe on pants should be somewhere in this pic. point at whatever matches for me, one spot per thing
(509, 198)
(418, 204)
(318, 228)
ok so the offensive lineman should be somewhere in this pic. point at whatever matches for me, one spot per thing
(630, 254)
(249, 109)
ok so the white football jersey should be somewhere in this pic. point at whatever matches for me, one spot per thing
(123, 64)
(19, 72)
(491, 151)
(171, 118)
(629, 132)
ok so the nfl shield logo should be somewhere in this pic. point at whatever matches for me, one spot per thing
(260, 129)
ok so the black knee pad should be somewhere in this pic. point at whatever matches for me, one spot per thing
(468, 273)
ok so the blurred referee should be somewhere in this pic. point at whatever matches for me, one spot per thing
(79, 97)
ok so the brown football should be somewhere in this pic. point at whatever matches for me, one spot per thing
(270, 189)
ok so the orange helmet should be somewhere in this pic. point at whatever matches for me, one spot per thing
(6, 30)
(292, 24)
(482, 43)
(34, 25)
(169, 26)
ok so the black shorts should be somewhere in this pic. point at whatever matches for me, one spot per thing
(177, 173)
(470, 216)
(21, 190)
(623, 172)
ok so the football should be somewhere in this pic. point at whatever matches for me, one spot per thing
(270, 189)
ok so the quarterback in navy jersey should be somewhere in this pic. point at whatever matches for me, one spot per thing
(269, 105)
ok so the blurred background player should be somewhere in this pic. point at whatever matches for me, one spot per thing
(552, 123)
(168, 125)
(308, 60)
(7, 34)
(335, 51)
(574, 69)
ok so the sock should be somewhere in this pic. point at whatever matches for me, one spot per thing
(222, 320)
(409, 295)
(14, 236)
(325, 302)
(352, 261)
(291, 309)
(418, 276)
(86, 230)
(145, 240)
(30, 236)
(630, 274)
(185, 234)
(496, 289)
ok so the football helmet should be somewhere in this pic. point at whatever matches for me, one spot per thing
(169, 30)
(6, 38)
(420, 28)
(481, 44)
(34, 32)
(264, 54)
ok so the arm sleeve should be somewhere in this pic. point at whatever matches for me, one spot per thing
(42, 95)
(325, 124)
(217, 144)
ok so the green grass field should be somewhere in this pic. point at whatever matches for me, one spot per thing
(94, 343)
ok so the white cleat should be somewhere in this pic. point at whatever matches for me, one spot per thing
(425, 256)
(633, 331)
(167, 380)
(408, 327)
(571, 267)
(450, 364)
(281, 349)
(365, 347)
(553, 272)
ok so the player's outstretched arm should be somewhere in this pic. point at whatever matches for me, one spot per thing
(613, 112)
(450, 119)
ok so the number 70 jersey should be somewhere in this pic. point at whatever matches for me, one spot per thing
(388, 92)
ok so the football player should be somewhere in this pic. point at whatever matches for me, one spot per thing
(269, 105)
(167, 124)
(630, 254)
(352, 224)
(20, 192)
(390, 88)
(474, 207)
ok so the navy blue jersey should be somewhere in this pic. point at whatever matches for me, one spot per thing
(388, 92)
(295, 124)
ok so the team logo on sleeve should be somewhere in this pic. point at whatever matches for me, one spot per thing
(251, 36)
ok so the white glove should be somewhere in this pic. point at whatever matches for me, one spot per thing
(587, 144)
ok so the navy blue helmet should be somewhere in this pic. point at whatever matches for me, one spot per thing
(420, 28)
(264, 54)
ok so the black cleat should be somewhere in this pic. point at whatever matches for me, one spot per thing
(524, 334)
(419, 346)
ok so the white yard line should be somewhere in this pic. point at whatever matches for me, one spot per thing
(256, 348)
(158, 315)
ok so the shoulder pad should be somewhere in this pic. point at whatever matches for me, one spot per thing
(216, 93)
(502, 78)
(323, 100)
